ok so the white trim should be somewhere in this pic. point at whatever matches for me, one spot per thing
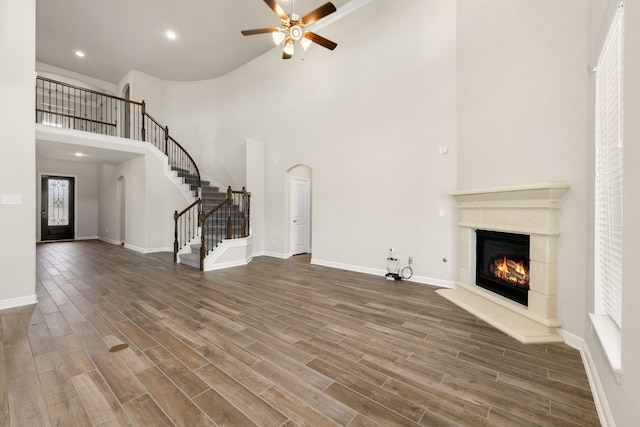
(86, 238)
(599, 396)
(18, 302)
(270, 254)
(610, 338)
(378, 272)
(110, 241)
(148, 250)
(243, 258)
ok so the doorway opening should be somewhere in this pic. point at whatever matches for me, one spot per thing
(58, 208)
(299, 178)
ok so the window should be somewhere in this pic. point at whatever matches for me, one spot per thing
(609, 149)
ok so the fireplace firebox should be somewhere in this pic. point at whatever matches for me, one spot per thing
(502, 264)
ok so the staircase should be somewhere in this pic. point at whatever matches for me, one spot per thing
(221, 216)
(212, 218)
(211, 197)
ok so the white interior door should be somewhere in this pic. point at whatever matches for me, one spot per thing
(300, 215)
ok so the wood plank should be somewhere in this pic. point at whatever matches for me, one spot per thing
(178, 407)
(316, 399)
(254, 407)
(62, 399)
(143, 411)
(223, 413)
(101, 406)
(298, 412)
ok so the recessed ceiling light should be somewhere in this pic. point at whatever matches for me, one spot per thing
(79, 154)
(170, 35)
(79, 53)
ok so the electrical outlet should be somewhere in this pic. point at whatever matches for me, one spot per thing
(410, 260)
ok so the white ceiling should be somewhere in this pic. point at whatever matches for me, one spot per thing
(121, 35)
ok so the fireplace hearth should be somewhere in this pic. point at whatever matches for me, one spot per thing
(502, 264)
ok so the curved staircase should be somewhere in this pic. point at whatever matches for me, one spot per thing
(213, 216)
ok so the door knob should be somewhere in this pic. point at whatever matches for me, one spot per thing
(44, 213)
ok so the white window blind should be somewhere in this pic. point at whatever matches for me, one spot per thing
(609, 173)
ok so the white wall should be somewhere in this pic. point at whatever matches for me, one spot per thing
(162, 199)
(17, 253)
(150, 201)
(75, 79)
(255, 182)
(146, 88)
(522, 80)
(108, 223)
(86, 193)
(368, 118)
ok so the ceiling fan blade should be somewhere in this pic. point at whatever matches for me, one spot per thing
(285, 55)
(319, 13)
(277, 9)
(260, 31)
(320, 40)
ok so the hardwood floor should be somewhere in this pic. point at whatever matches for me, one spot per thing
(274, 343)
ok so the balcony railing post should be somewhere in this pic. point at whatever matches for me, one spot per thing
(175, 237)
(143, 111)
(243, 223)
(166, 140)
(229, 205)
(203, 246)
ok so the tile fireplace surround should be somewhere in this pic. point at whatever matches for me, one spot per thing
(524, 209)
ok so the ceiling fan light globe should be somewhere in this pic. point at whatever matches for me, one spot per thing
(278, 37)
(296, 32)
(288, 47)
(305, 43)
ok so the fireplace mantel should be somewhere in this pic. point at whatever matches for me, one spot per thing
(524, 209)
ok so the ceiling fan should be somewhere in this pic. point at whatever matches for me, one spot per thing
(292, 28)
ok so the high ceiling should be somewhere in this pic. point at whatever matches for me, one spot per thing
(119, 35)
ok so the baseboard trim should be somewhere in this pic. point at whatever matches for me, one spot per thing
(378, 272)
(18, 302)
(110, 241)
(599, 396)
(269, 254)
(86, 238)
(148, 250)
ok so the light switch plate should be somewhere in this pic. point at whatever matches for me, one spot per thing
(11, 199)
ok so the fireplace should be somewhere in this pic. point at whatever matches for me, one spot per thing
(502, 264)
(518, 212)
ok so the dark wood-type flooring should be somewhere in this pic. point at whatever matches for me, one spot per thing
(275, 343)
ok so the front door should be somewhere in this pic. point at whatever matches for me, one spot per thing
(300, 214)
(58, 199)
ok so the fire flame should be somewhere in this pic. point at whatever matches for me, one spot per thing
(511, 271)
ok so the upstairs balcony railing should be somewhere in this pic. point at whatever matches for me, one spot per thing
(66, 106)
